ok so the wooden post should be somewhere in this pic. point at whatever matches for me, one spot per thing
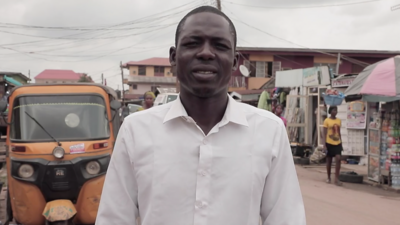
(219, 4)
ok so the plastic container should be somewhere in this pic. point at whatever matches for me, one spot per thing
(332, 100)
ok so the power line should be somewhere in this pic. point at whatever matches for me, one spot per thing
(303, 7)
(310, 49)
(116, 25)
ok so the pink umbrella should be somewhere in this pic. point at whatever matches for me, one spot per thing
(378, 82)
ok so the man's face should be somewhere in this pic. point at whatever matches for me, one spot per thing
(205, 55)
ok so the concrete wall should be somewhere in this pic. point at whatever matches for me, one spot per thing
(255, 83)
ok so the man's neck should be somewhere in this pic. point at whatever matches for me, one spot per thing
(206, 112)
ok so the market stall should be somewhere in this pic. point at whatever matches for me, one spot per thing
(380, 82)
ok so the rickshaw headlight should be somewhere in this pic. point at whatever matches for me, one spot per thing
(93, 167)
(25, 171)
(58, 152)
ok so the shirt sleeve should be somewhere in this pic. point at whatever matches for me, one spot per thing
(326, 123)
(118, 203)
(282, 201)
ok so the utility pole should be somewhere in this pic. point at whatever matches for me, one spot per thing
(122, 77)
(29, 74)
(337, 64)
(219, 5)
(102, 79)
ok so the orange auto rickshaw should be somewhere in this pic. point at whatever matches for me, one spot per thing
(59, 144)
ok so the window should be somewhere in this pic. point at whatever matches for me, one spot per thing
(159, 71)
(134, 86)
(73, 117)
(259, 68)
(142, 70)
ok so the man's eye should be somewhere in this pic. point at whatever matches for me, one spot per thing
(222, 46)
(190, 44)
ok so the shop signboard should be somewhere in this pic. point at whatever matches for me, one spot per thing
(316, 76)
(309, 77)
(342, 82)
(356, 115)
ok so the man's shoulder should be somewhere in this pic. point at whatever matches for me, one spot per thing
(261, 114)
(153, 112)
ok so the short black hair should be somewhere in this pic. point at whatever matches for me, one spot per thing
(208, 9)
(332, 108)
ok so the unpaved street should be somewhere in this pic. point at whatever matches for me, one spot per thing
(351, 204)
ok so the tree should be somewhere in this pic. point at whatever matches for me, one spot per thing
(85, 79)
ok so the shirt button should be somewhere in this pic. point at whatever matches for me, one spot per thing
(203, 173)
(199, 204)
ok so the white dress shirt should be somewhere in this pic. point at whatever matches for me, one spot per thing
(166, 171)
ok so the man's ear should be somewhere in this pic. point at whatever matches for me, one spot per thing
(172, 56)
(235, 61)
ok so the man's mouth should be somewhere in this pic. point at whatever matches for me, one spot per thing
(204, 75)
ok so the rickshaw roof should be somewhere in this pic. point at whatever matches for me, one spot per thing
(107, 89)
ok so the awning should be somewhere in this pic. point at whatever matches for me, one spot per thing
(12, 81)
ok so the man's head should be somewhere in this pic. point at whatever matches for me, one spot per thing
(208, 9)
(205, 53)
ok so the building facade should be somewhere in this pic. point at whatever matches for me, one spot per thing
(264, 62)
(148, 75)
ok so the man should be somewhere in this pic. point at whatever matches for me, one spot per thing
(204, 158)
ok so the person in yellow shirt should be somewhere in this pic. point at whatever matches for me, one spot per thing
(333, 143)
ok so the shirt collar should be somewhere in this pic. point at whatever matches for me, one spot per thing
(234, 112)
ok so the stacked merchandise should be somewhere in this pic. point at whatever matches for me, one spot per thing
(385, 139)
(390, 147)
(393, 153)
(395, 170)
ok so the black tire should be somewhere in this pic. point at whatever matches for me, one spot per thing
(301, 161)
(351, 178)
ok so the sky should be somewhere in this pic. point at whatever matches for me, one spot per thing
(95, 36)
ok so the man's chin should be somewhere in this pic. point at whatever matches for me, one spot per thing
(203, 92)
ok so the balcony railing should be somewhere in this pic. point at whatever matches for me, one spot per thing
(238, 81)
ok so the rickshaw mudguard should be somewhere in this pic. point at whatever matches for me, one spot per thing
(59, 210)
(27, 202)
(89, 200)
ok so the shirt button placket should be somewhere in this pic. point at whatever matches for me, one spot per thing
(203, 184)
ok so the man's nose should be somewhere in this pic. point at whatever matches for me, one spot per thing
(206, 52)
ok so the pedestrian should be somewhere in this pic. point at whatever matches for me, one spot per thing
(333, 143)
(203, 158)
(279, 111)
(148, 101)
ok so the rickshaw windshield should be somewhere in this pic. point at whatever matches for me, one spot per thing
(65, 117)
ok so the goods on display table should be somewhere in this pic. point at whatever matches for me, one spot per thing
(333, 97)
